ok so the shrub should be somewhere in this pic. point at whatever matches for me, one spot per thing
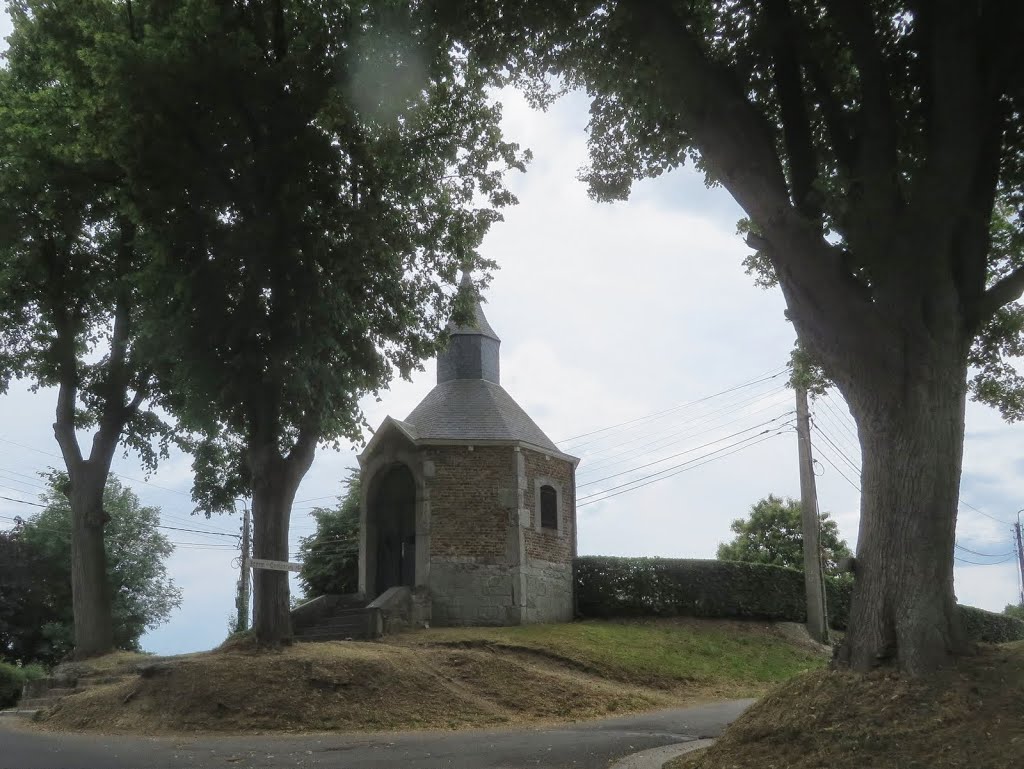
(625, 587)
(663, 587)
(12, 679)
(981, 625)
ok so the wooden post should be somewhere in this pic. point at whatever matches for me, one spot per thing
(814, 583)
(244, 590)
(1020, 557)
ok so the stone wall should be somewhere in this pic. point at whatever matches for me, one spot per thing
(464, 592)
(469, 492)
(549, 592)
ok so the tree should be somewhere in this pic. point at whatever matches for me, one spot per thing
(69, 310)
(773, 534)
(1012, 610)
(310, 178)
(870, 145)
(41, 627)
(330, 556)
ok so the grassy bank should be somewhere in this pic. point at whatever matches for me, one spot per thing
(452, 678)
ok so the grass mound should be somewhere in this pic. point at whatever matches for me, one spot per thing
(451, 678)
(969, 717)
(339, 686)
(706, 659)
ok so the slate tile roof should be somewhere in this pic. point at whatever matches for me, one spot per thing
(474, 409)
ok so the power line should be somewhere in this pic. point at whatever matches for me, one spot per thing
(976, 563)
(824, 456)
(674, 435)
(685, 469)
(763, 378)
(681, 453)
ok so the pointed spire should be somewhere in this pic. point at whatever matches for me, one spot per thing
(478, 323)
(472, 351)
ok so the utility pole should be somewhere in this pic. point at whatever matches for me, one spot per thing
(242, 601)
(1020, 556)
(814, 583)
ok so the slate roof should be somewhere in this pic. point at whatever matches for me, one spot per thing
(479, 324)
(474, 409)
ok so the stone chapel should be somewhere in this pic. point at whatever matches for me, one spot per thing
(467, 501)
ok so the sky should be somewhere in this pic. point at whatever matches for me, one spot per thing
(608, 313)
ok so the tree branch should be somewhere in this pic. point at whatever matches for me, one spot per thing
(738, 142)
(796, 124)
(1007, 290)
(874, 180)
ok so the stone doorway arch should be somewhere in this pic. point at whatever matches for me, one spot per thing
(391, 506)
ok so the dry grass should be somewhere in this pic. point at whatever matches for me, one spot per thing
(472, 677)
(970, 717)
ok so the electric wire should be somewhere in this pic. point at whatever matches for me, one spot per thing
(685, 469)
(773, 374)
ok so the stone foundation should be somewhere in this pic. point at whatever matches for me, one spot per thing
(549, 591)
(468, 593)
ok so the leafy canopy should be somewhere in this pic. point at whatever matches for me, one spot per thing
(39, 626)
(330, 556)
(773, 534)
(70, 309)
(308, 179)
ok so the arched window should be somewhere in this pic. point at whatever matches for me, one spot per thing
(548, 507)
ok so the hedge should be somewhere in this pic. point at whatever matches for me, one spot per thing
(633, 587)
(12, 681)
(607, 586)
(981, 625)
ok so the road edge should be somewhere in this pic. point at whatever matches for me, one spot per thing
(655, 758)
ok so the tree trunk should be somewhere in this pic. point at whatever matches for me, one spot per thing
(275, 482)
(911, 433)
(90, 587)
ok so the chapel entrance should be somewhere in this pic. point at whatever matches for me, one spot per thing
(391, 511)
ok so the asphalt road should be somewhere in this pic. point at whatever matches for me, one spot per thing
(591, 745)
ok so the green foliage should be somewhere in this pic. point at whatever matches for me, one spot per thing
(667, 587)
(989, 627)
(1014, 610)
(41, 628)
(773, 534)
(330, 556)
(70, 308)
(308, 179)
(12, 679)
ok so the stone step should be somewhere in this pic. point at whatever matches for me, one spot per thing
(38, 703)
(330, 636)
(18, 713)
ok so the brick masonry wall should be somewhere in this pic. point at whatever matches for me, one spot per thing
(469, 494)
(548, 544)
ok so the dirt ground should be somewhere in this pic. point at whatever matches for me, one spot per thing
(968, 717)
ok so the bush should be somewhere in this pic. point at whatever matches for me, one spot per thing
(664, 587)
(12, 680)
(981, 625)
(631, 587)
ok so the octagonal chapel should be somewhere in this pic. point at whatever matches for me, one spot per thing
(467, 501)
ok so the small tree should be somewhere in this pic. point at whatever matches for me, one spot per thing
(773, 534)
(330, 556)
(41, 629)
